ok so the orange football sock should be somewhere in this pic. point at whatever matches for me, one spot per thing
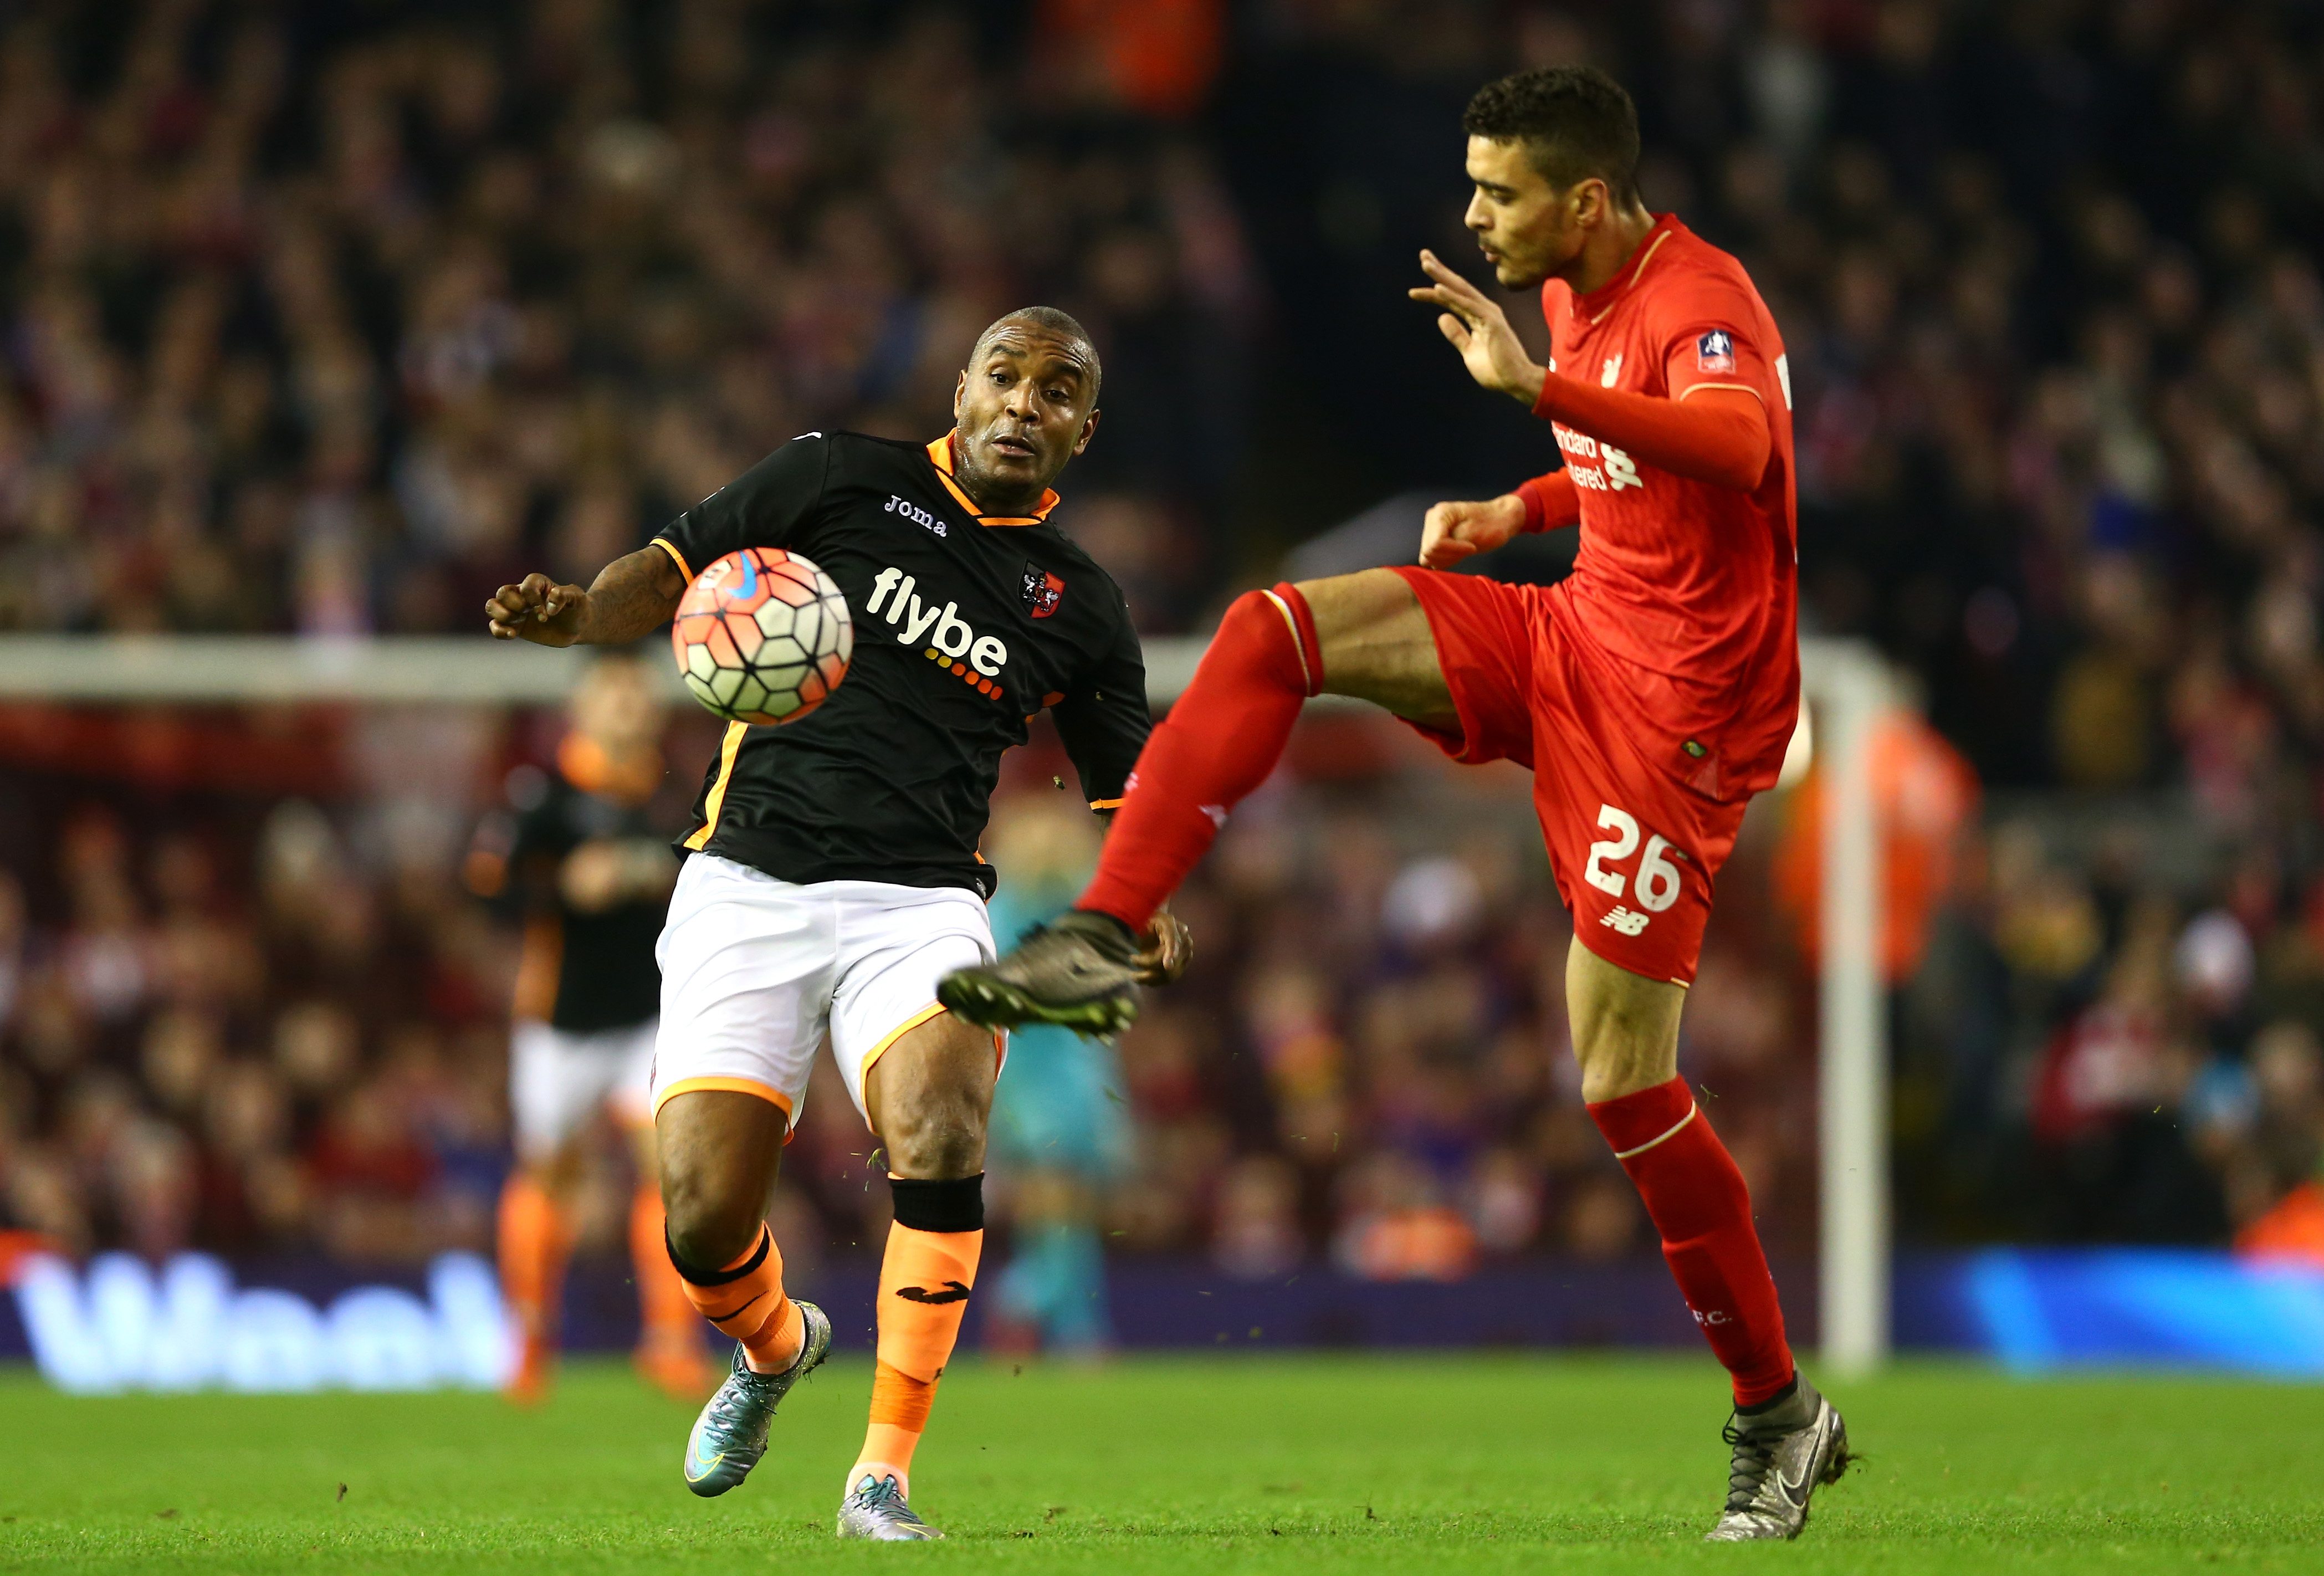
(535, 1237)
(925, 1281)
(899, 1415)
(665, 1312)
(746, 1299)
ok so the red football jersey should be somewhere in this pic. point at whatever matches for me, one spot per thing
(1684, 596)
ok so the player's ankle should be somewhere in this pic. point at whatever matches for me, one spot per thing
(877, 1470)
(1128, 933)
(773, 1355)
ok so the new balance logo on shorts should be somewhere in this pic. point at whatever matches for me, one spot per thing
(1629, 921)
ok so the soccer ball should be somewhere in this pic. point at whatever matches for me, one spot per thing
(763, 636)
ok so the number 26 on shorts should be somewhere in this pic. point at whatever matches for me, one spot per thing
(1658, 878)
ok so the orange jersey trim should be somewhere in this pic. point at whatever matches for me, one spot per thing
(940, 457)
(766, 1092)
(931, 1010)
(676, 557)
(717, 799)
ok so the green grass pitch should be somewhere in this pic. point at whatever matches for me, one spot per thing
(1365, 1463)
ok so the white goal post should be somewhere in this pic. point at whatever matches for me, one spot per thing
(1846, 685)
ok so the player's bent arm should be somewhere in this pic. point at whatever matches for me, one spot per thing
(631, 598)
(1550, 502)
(1719, 436)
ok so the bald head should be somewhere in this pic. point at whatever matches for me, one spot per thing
(1050, 322)
(1027, 403)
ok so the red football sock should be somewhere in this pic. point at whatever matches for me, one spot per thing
(1696, 1198)
(1218, 743)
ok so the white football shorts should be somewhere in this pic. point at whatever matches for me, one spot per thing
(557, 1079)
(755, 970)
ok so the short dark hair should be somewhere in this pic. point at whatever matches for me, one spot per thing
(1058, 321)
(1576, 121)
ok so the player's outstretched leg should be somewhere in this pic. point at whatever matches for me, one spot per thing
(1219, 741)
(778, 1342)
(535, 1231)
(1786, 1439)
(1783, 1452)
(719, 1150)
(929, 1097)
(670, 1352)
(925, 1281)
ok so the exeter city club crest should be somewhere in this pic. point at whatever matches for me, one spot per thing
(1043, 591)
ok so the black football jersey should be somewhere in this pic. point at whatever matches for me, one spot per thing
(583, 969)
(966, 627)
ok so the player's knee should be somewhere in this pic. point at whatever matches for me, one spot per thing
(709, 1226)
(940, 1134)
(1260, 629)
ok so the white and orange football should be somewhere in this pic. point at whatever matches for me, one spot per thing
(763, 636)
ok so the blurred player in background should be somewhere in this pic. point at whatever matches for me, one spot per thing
(1060, 1128)
(581, 859)
(831, 876)
(1652, 692)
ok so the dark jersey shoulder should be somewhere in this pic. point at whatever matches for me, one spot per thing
(966, 626)
(602, 960)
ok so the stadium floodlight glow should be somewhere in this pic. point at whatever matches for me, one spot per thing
(1845, 688)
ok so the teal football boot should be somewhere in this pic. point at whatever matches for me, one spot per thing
(875, 1509)
(730, 1434)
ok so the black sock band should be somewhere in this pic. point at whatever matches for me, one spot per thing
(957, 1205)
(1774, 1401)
(717, 1278)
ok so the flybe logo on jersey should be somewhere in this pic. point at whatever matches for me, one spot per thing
(946, 637)
(1612, 470)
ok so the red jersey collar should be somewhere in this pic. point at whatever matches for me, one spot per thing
(940, 457)
(1599, 302)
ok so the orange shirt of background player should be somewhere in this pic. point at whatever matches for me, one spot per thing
(1157, 56)
(2291, 1231)
(1925, 794)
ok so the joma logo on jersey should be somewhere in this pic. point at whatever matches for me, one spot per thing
(915, 513)
(946, 637)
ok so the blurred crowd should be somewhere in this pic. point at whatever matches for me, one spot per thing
(222, 1030)
(327, 319)
(264, 1025)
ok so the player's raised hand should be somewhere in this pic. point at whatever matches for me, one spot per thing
(1479, 330)
(537, 609)
(1454, 532)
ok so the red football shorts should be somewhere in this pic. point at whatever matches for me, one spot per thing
(1633, 850)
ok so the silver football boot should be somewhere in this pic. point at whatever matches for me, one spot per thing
(1079, 971)
(730, 1434)
(875, 1509)
(1782, 1456)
